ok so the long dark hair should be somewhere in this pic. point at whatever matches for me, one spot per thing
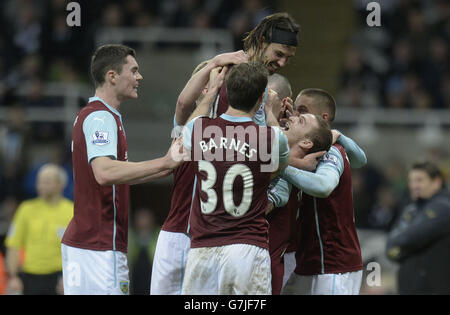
(262, 33)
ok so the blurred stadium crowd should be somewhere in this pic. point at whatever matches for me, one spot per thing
(404, 64)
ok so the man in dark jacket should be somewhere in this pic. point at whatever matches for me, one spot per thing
(420, 239)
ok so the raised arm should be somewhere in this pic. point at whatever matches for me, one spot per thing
(216, 79)
(278, 193)
(356, 155)
(321, 183)
(193, 89)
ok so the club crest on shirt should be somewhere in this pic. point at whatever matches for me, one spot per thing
(124, 286)
(100, 138)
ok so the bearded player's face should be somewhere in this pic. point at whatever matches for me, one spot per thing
(276, 56)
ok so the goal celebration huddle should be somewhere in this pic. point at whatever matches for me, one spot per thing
(262, 189)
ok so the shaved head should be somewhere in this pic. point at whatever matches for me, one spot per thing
(281, 85)
(316, 101)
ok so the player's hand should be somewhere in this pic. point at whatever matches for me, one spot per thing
(271, 106)
(273, 103)
(336, 134)
(175, 155)
(288, 104)
(308, 162)
(217, 78)
(225, 59)
(286, 111)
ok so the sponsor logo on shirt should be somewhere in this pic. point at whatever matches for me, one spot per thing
(100, 138)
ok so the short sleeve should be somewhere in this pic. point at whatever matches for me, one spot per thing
(260, 115)
(279, 151)
(100, 131)
(177, 129)
(187, 133)
(283, 146)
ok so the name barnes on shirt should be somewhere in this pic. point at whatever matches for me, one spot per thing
(251, 142)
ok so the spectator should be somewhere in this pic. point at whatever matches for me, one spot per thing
(13, 151)
(37, 228)
(142, 246)
(27, 28)
(420, 239)
(418, 55)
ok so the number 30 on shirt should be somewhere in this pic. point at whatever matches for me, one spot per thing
(227, 188)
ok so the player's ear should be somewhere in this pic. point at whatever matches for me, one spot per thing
(305, 144)
(325, 116)
(111, 76)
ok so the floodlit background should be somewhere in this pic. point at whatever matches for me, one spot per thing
(391, 83)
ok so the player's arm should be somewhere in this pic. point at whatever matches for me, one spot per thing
(193, 89)
(109, 172)
(151, 177)
(216, 79)
(271, 106)
(321, 183)
(190, 93)
(175, 153)
(308, 162)
(283, 151)
(278, 193)
(356, 155)
(100, 131)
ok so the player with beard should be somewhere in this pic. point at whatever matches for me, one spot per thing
(273, 41)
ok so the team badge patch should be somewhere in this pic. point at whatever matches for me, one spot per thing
(330, 158)
(123, 285)
(100, 138)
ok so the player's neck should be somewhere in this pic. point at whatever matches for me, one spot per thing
(296, 150)
(106, 95)
(254, 55)
(239, 113)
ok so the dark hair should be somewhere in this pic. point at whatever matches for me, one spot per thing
(324, 100)
(321, 136)
(428, 167)
(109, 57)
(246, 82)
(262, 33)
